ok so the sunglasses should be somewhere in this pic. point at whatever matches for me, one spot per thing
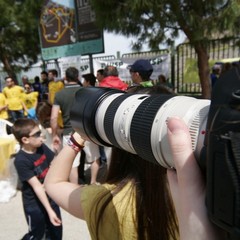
(36, 134)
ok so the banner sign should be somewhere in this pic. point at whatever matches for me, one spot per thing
(86, 24)
(67, 62)
(57, 29)
(161, 65)
(59, 34)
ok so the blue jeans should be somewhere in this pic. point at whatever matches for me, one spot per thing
(103, 157)
(39, 225)
(16, 114)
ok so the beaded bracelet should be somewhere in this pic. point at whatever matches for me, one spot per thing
(74, 144)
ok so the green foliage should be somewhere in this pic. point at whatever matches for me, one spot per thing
(19, 39)
(190, 71)
(156, 22)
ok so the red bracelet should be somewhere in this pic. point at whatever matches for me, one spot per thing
(73, 146)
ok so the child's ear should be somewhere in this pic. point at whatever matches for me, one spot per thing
(25, 140)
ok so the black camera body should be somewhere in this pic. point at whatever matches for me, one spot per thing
(136, 123)
(221, 153)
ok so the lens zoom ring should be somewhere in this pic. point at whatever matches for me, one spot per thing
(141, 126)
(109, 119)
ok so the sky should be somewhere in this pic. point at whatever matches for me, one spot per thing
(116, 42)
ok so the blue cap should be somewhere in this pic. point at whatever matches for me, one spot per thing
(141, 65)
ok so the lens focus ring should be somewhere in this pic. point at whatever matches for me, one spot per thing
(142, 124)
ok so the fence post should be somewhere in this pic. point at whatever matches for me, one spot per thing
(91, 63)
(172, 53)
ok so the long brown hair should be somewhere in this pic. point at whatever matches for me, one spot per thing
(155, 213)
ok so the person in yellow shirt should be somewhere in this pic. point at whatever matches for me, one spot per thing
(3, 107)
(29, 101)
(13, 94)
(54, 85)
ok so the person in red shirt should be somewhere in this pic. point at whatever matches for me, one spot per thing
(111, 79)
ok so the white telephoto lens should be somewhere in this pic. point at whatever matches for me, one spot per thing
(100, 115)
(123, 118)
(193, 111)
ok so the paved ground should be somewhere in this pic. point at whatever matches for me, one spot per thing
(13, 224)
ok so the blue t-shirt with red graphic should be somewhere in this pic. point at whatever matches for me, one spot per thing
(29, 165)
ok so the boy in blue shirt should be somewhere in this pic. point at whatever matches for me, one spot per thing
(32, 163)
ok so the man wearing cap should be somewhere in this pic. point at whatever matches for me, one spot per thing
(141, 71)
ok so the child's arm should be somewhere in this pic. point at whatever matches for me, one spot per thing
(38, 188)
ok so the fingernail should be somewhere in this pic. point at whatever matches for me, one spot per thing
(170, 118)
(175, 126)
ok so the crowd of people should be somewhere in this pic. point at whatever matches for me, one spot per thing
(219, 69)
(137, 200)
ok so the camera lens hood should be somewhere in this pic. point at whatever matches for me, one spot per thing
(85, 105)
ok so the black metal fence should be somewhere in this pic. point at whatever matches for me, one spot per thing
(183, 69)
(185, 57)
(184, 72)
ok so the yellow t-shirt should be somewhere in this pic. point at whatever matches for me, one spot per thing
(119, 219)
(53, 88)
(30, 99)
(13, 96)
(3, 102)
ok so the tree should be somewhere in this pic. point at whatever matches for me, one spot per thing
(19, 39)
(160, 21)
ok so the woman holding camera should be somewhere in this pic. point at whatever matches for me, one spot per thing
(134, 202)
